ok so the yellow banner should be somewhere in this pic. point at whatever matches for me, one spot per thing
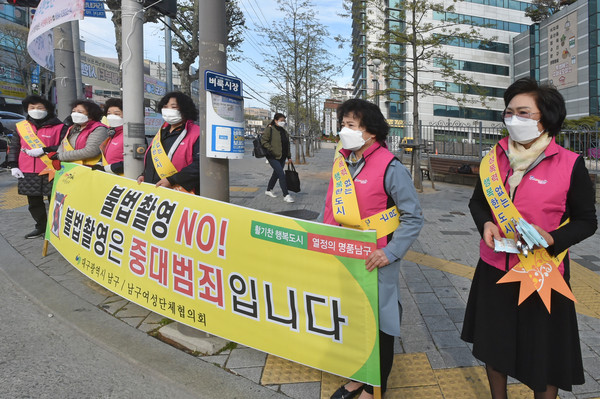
(293, 288)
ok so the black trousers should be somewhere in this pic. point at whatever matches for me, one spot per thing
(37, 209)
(386, 359)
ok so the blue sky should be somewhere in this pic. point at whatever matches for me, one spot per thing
(100, 39)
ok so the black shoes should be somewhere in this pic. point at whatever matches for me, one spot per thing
(343, 393)
(35, 233)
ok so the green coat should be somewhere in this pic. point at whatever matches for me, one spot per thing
(271, 140)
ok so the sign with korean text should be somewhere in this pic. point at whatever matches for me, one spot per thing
(94, 8)
(224, 84)
(293, 288)
(562, 51)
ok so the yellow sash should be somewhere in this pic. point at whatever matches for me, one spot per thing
(163, 165)
(33, 141)
(68, 147)
(345, 205)
(536, 272)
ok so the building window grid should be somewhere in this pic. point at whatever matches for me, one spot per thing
(594, 68)
(480, 21)
(452, 111)
(510, 4)
(472, 66)
(468, 89)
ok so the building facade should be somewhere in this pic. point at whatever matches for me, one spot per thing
(563, 50)
(488, 63)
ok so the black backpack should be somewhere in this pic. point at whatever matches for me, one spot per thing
(258, 151)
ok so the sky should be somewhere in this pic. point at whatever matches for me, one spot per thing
(99, 38)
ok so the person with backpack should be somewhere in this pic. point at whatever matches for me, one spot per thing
(276, 140)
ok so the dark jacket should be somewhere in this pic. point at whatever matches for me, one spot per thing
(271, 140)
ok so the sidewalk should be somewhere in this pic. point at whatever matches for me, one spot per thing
(431, 359)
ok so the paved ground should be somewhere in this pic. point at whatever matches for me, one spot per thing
(431, 360)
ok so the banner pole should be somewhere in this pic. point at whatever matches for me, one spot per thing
(377, 392)
(45, 248)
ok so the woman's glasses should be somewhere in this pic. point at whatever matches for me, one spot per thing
(521, 114)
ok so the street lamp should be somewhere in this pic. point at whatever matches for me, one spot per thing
(374, 68)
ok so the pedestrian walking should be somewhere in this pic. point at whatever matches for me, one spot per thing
(276, 140)
(27, 159)
(550, 188)
(112, 148)
(173, 157)
(378, 183)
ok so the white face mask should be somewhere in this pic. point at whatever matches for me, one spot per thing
(281, 123)
(79, 118)
(171, 116)
(522, 130)
(351, 139)
(37, 113)
(114, 120)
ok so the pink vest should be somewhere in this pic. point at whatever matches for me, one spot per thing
(541, 197)
(84, 134)
(183, 155)
(113, 147)
(49, 135)
(369, 186)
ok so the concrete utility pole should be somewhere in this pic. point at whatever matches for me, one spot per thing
(134, 139)
(168, 55)
(64, 70)
(214, 173)
(77, 58)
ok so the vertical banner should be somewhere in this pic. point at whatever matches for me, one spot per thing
(562, 52)
(293, 288)
(50, 14)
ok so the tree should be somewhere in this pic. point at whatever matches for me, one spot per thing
(540, 10)
(14, 37)
(296, 62)
(185, 28)
(412, 50)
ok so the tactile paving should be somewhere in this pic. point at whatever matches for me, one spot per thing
(426, 392)
(10, 198)
(463, 383)
(243, 189)
(330, 383)
(411, 370)
(281, 371)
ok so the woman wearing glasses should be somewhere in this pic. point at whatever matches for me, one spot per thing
(528, 175)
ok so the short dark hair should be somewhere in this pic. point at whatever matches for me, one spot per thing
(113, 102)
(94, 111)
(370, 117)
(189, 111)
(547, 98)
(277, 116)
(35, 99)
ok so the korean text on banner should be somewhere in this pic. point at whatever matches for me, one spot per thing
(293, 288)
(49, 14)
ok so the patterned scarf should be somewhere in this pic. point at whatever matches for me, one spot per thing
(521, 158)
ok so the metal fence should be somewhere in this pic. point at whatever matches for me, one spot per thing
(474, 141)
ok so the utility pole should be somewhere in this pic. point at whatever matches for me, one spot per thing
(214, 172)
(168, 54)
(64, 69)
(77, 58)
(134, 139)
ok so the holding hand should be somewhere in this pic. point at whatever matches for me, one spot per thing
(53, 156)
(98, 167)
(35, 152)
(376, 260)
(16, 173)
(163, 183)
(491, 232)
(140, 179)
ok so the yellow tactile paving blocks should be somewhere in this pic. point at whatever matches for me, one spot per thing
(10, 199)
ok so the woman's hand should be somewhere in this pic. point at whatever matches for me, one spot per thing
(549, 239)
(491, 231)
(140, 179)
(376, 260)
(163, 183)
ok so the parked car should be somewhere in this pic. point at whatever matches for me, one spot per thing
(9, 121)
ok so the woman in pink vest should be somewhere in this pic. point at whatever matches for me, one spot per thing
(82, 141)
(380, 182)
(25, 162)
(179, 140)
(112, 147)
(547, 185)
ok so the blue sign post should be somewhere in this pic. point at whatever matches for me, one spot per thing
(224, 116)
(94, 8)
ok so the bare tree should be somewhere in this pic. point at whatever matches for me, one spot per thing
(409, 46)
(14, 36)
